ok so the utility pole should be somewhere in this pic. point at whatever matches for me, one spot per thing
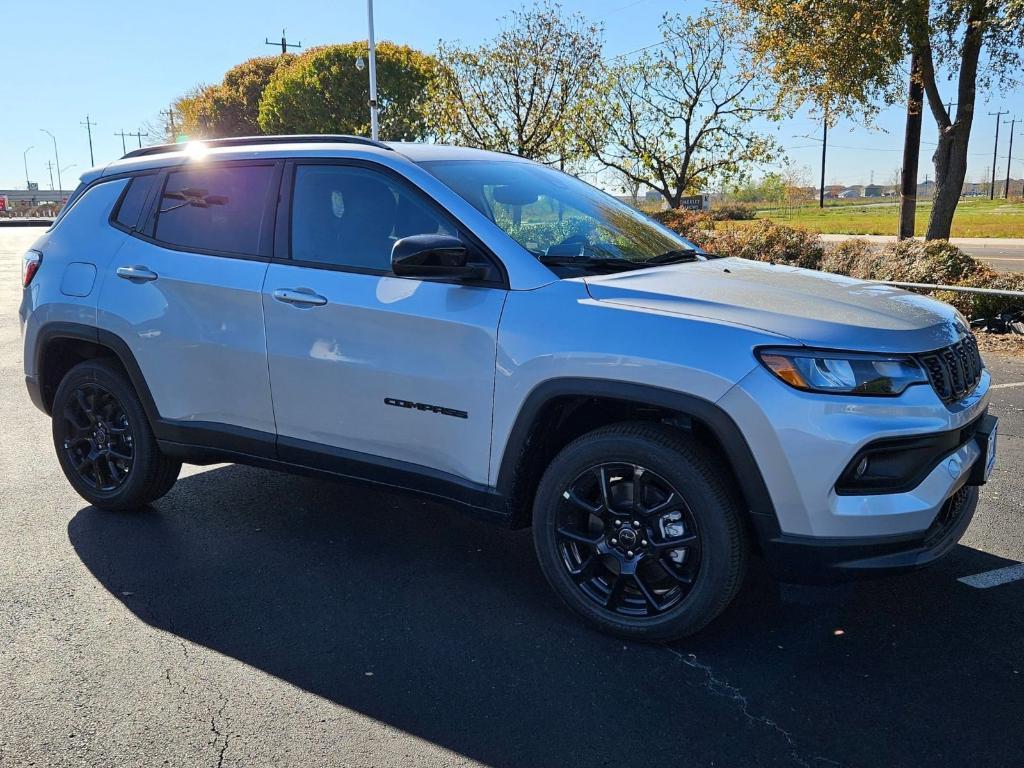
(824, 146)
(24, 157)
(373, 73)
(285, 45)
(995, 149)
(1009, 158)
(911, 151)
(170, 119)
(56, 156)
(88, 126)
(49, 167)
(122, 134)
(139, 136)
(949, 108)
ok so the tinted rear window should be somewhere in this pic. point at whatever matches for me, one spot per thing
(134, 199)
(214, 208)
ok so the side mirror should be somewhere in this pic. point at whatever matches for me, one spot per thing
(440, 256)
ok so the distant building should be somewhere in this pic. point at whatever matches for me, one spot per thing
(873, 190)
(855, 191)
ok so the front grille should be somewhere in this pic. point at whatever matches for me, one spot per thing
(954, 371)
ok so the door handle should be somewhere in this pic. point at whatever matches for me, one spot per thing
(137, 274)
(302, 297)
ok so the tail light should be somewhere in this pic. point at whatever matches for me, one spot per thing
(29, 266)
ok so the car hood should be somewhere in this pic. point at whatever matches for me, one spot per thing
(815, 308)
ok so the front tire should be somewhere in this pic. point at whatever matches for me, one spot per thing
(104, 442)
(637, 532)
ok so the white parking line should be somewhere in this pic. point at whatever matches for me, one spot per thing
(994, 578)
(1008, 385)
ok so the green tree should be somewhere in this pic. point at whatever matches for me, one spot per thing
(322, 91)
(232, 107)
(526, 91)
(678, 118)
(848, 57)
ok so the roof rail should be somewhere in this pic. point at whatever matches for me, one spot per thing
(242, 141)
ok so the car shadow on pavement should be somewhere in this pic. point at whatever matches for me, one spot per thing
(321, 584)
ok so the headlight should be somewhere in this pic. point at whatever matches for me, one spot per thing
(842, 373)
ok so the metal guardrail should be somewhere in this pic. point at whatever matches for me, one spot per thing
(954, 288)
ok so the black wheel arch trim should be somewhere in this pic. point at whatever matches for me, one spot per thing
(101, 337)
(722, 426)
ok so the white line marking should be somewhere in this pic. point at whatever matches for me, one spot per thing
(1007, 386)
(994, 578)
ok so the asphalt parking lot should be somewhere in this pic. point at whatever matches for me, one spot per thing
(251, 618)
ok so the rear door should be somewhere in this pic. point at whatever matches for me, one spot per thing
(367, 366)
(184, 293)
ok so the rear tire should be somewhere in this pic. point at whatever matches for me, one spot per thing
(104, 442)
(638, 532)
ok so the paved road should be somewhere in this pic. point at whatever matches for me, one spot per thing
(253, 618)
(1005, 254)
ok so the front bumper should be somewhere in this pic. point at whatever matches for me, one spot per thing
(802, 443)
(809, 560)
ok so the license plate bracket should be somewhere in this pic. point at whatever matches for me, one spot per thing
(987, 438)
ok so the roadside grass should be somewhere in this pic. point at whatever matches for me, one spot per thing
(974, 218)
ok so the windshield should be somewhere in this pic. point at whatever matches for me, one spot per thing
(566, 223)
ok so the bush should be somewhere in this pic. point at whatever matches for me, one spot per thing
(693, 225)
(934, 261)
(733, 212)
(768, 241)
(980, 305)
(855, 258)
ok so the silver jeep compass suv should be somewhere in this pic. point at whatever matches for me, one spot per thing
(490, 331)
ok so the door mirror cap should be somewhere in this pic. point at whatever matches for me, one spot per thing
(438, 256)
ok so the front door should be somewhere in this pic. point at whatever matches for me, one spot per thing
(366, 366)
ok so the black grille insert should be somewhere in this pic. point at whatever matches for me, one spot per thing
(954, 371)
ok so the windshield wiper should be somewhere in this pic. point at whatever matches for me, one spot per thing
(677, 256)
(590, 262)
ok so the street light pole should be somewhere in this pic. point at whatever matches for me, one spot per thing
(373, 74)
(56, 156)
(25, 158)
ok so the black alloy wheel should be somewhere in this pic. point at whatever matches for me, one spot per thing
(628, 539)
(99, 443)
(638, 528)
(104, 441)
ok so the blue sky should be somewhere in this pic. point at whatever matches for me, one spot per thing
(123, 62)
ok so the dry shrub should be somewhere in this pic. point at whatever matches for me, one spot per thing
(693, 225)
(768, 241)
(733, 212)
(855, 258)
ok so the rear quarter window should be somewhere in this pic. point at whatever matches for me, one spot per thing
(133, 200)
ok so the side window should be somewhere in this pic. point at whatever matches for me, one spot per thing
(214, 208)
(133, 200)
(351, 217)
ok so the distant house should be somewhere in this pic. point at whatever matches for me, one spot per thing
(873, 190)
(855, 191)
